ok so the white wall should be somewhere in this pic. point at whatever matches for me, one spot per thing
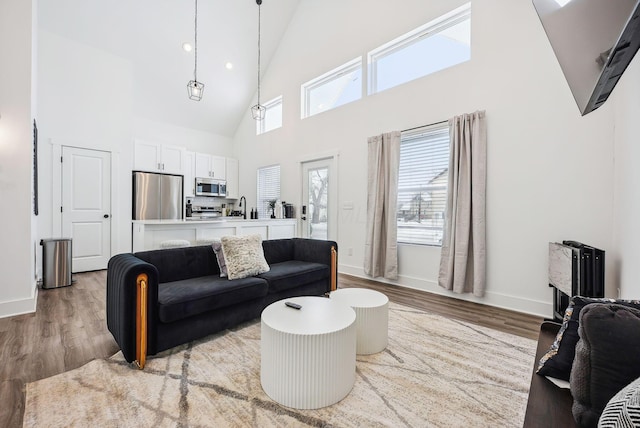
(193, 139)
(87, 100)
(550, 171)
(84, 101)
(626, 97)
(17, 107)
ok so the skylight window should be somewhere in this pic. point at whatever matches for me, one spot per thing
(439, 44)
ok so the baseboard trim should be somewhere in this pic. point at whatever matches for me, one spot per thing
(20, 306)
(499, 300)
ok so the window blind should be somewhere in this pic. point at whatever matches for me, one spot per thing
(422, 184)
(268, 189)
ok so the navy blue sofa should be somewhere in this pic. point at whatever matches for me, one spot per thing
(163, 298)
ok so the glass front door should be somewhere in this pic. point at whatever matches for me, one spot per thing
(318, 216)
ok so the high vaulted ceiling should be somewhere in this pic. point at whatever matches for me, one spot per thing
(150, 34)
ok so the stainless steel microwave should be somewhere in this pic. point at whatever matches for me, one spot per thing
(210, 187)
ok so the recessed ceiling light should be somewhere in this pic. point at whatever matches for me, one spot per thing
(562, 3)
(187, 47)
(229, 66)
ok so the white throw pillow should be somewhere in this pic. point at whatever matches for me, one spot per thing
(244, 256)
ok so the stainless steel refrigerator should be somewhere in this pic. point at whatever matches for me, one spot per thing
(157, 196)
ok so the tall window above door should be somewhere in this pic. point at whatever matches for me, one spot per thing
(422, 184)
(339, 86)
(272, 117)
(434, 46)
(268, 189)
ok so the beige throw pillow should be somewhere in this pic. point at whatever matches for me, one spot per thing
(244, 256)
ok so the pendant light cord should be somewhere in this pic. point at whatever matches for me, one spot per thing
(195, 66)
(259, 7)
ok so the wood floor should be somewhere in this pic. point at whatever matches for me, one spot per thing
(499, 319)
(69, 329)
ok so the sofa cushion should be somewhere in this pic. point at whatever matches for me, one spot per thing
(607, 358)
(175, 264)
(244, 256)
(294, 273)
(182, 299)
(278, 250)
(557, 361)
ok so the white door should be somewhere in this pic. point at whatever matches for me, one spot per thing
(319, 199)
(86, 206)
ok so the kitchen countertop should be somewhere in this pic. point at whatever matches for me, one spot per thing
(211, 221)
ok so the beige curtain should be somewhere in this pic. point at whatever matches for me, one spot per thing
(381, 248)
(463, 257)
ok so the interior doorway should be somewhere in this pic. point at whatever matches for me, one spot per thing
(86, 206)
(319, 199)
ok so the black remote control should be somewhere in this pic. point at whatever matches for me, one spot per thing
(293, 305)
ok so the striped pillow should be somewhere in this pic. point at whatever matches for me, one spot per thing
(623, 410)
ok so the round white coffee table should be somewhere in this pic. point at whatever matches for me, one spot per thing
(372, 317)
(308, 354)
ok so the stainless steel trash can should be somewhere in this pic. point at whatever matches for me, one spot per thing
(56, 262)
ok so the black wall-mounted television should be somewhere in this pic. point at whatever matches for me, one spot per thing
(594, 42)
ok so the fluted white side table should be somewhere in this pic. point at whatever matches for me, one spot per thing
(372, 317)
(308, 355)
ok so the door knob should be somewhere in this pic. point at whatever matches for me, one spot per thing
(106, 216)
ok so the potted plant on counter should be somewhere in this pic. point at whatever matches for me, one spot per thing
(272, 207)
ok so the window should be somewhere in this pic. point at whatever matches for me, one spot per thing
(272, 117)
(439, 44)
(422, 184)
(268, 189)
(335, 88)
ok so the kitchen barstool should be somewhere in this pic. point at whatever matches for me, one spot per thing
(175, 243)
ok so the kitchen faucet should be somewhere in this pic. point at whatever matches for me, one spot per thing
(244, 209)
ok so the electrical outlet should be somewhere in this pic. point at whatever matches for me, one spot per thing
(350, 252)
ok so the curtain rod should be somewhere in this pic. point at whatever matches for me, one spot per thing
(422, 126)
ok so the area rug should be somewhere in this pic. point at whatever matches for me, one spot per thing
(436, 372)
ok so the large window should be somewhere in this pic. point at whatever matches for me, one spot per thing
(272, 117)
(422, 184)
(335, 88)
(268, 189)
(441, 43)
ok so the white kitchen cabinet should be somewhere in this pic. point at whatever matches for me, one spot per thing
(189, 174)
(203, 165)
(219, 167)
(233, 178)
(154, 157)
(210, 166)
(146, 156)
(149, 234)
(172, 160)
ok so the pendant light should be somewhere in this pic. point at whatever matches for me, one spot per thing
(258, 111)
(195, 88)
